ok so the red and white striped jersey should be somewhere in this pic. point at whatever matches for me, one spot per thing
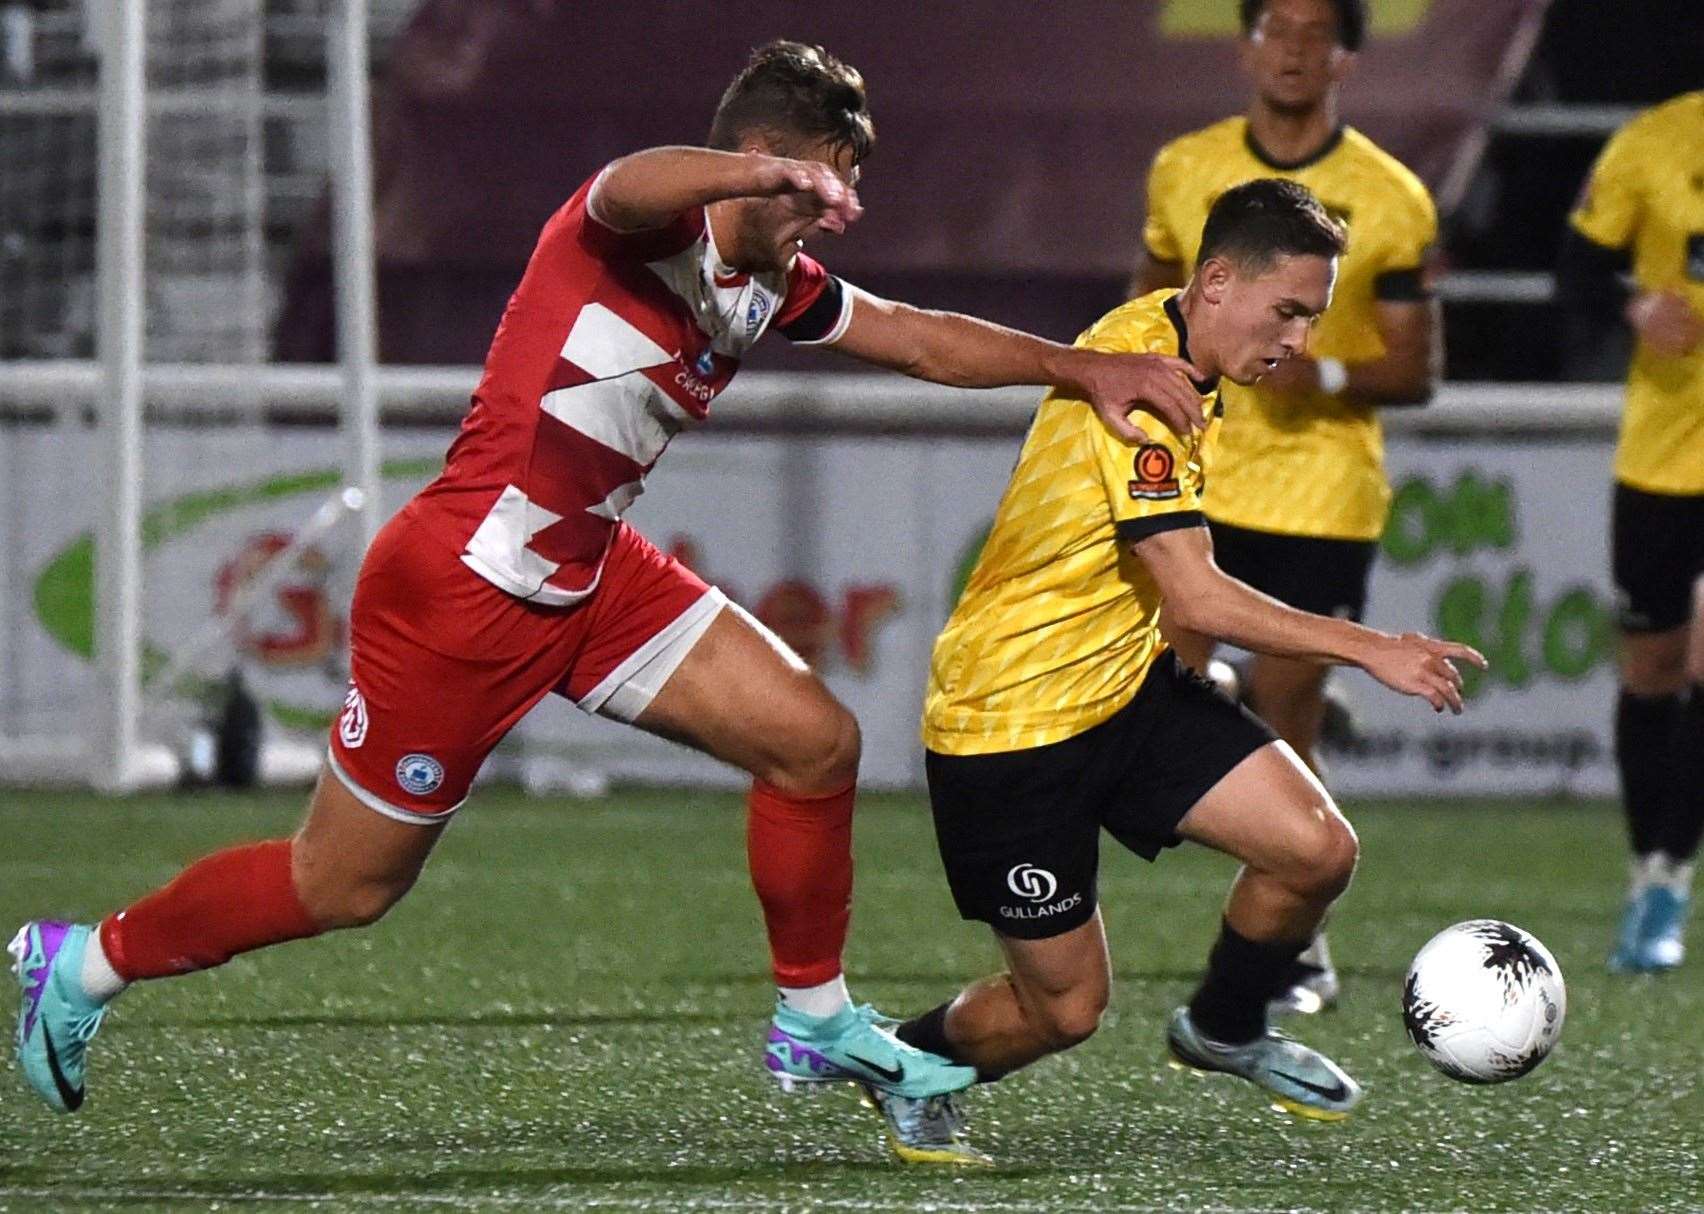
(612, 344)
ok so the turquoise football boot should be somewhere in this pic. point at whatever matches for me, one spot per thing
(1302, 1082)
(854, 1045)
(1624, 958)
(1662, 928)
(56, 1019)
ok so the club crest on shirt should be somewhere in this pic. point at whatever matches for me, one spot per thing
(756, 313)
(1156, 474)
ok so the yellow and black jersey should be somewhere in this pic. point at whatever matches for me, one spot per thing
(1304, 464)
(1646, 195)
(1058, 623)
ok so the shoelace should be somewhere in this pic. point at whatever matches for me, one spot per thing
(83, 1028)
(867, 1012)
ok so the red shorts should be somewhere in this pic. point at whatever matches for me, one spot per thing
(443, 663)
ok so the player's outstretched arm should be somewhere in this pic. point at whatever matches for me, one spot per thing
(649, 189)
(949, 348)
(1201, 597)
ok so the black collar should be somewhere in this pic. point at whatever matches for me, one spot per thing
(1290, 166)
(1206, 387)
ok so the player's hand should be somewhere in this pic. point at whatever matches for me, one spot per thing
(812, 190)
(1116, 385)
(1665, 322)
(1295, 374)
(1419, 665)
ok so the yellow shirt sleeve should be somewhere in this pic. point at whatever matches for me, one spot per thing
(1413, 244)
(1157, 485)
(1157, 235)
(1152, 487)
(1609, 208)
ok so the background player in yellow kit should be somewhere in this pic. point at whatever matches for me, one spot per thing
(1299, 490)
(1643, 209)
(1056, 709)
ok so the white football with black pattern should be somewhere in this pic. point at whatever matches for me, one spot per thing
(1484, 1001)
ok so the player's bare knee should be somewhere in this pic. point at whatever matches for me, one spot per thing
(336, 899)
(822, 756)
(1332, 862)
(1070, 1019)
(358, 904)
(1317, 860)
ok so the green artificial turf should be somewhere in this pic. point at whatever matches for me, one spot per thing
(566, 1013)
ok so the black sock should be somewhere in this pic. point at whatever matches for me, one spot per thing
(929, 1032)
(1645, 730)
(1686, 807)
(1242, 975)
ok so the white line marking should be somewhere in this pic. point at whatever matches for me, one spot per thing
(585, 1201)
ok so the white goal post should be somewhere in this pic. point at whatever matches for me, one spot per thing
(161, 103)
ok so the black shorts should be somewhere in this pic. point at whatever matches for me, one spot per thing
(1326, 577)
(1656, 552)
(1019, 830)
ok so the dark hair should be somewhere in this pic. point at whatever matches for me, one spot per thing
(1351, 20)
(1254, 224)
(792, 89)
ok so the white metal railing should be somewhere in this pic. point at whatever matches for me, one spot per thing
(823, 401)
(1496, 286)
(1551, 120)
(62, 102)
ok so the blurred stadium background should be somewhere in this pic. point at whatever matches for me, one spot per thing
(232, 340)
(172, 418)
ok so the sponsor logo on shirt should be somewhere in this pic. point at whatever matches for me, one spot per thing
(1156, 474)
(693, 378)
(352, 724)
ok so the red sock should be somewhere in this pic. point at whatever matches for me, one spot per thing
(233, 901)
(800, 852)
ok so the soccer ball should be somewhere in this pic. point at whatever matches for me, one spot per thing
(1484, 1001)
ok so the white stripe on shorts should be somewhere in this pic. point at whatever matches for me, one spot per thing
(629, 689)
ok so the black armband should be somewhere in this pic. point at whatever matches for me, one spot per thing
(1402, 286)
(825, 320)
(1135, 530)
